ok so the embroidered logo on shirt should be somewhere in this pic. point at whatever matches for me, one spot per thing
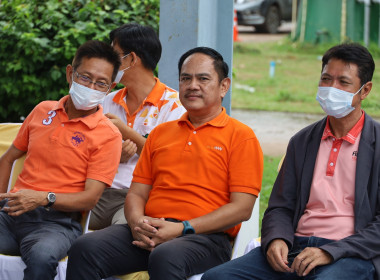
(355, 155)
(214, 148)
(77, 138)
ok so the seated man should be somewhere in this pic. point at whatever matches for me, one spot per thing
(323, 219)
(72, 152)
(197, 179)
(141, 105)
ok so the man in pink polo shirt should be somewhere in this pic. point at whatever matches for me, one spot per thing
(323, 217)
(72, 153)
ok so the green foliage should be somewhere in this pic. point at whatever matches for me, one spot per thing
(39, 38)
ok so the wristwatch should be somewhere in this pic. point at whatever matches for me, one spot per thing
(51, 199)
(187, 228)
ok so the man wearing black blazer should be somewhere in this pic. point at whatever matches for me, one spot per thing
(323, 216)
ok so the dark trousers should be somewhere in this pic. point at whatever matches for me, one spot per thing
(254, 266)
(110, 251)
(41, 237)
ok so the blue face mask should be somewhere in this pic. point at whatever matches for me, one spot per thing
(336, 102)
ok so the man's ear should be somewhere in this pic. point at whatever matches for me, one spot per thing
(69, 74)
(365, 90)
(225, 86)
(134, 59)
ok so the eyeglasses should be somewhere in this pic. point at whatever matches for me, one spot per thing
(86, 81)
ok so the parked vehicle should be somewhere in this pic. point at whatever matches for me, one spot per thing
(264, 15)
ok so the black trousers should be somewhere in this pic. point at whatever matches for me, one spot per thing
(110, 251)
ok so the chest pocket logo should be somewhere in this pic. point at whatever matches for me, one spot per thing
(77, 139)
(49, 119)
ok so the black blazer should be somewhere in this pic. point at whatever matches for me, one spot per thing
(291, 191)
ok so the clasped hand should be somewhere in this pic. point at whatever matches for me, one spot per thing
(304, 262)
(23, 201)
(150, 232)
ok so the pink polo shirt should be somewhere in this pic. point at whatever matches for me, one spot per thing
(329, 212)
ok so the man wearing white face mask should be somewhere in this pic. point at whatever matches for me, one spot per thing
(323, 216)
(72, 153)
(136, 109)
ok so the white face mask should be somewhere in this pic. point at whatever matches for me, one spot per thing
(120, 73)
(335, 102)
(85, 98)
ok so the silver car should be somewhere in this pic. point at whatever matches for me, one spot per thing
(264, 15)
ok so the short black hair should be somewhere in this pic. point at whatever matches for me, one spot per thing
(142, 40)
(97, 49)
(220, 65)
(353, 53)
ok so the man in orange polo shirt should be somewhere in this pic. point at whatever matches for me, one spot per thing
(196, 180)
(72, 152)
(136, 109)
(323, 217)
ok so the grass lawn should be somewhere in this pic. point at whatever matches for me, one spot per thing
(270, 174)
(293, 88)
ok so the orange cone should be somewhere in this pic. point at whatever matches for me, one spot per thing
(236, 32)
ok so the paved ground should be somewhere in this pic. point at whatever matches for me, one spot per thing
(248, 33)
(274, 129)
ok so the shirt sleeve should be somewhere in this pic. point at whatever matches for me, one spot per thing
(104, 161)
(143, 170)
(246, 167)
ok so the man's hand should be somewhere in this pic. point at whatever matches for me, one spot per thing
(310, 258)
(128, 150)
(23, 201)
(142, 232)
(165, 230)
(155, 232)
(116, 121)
(277, 255)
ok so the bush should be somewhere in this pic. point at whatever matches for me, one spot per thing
(39, 38)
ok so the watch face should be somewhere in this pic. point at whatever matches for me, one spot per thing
(51, 197)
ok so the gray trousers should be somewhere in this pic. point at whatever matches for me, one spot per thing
(109, 210)
(110, 251)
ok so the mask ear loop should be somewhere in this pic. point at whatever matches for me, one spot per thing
(128, 66)
(360, 89)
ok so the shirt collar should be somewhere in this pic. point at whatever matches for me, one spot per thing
(351, 136)
(153, 97)
(91, 121)
(219, 121)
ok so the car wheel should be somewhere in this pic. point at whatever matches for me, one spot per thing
(272, 21)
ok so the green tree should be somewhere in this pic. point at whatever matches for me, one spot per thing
(38, 38)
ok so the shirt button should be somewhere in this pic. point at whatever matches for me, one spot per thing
(189, 143)
(62, 125)
(194, 132)
(335, 149)
(129, 124)
(331, 164)
(333, 139)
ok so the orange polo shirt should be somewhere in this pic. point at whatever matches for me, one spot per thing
(63, 153)
(193, 171)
